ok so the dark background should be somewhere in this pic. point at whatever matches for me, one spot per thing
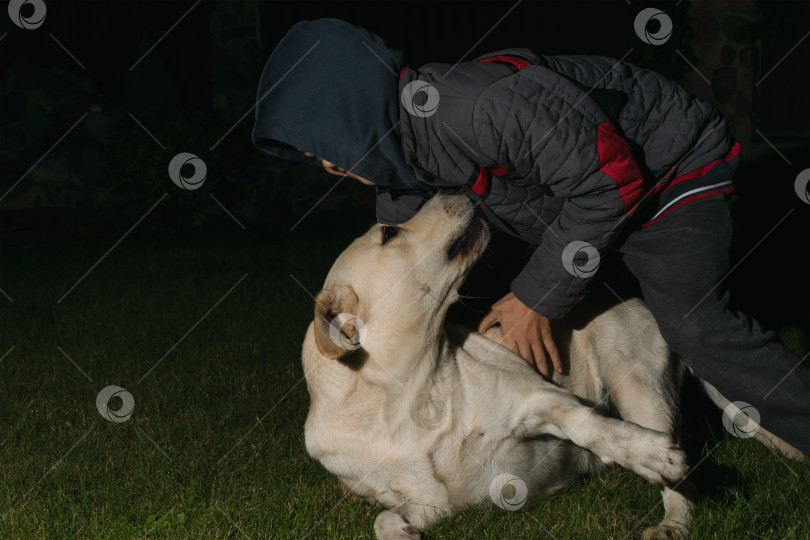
(197, 301)
(199, 83)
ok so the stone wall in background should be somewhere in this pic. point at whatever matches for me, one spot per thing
(726, 44)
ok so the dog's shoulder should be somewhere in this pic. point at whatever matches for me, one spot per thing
(486, 349)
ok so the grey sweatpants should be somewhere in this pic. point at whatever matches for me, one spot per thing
(680, 262)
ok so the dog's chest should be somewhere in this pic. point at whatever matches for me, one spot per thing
(338, 435)
(367, 456)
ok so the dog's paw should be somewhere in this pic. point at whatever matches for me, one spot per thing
(646, 452)
(665, 532)
(657, 459)
(391, 526)
(406, 532)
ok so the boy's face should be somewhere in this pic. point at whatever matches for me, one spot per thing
(331, 168)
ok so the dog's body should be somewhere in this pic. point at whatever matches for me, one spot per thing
(429, 421)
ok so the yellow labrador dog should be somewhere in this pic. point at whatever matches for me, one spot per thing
(429, 421)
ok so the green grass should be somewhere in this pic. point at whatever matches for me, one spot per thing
(214, 448)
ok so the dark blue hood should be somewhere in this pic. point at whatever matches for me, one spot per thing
(331, 88)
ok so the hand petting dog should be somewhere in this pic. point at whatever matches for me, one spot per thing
(526, 332)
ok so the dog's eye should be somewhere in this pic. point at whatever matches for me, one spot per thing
(387, 233)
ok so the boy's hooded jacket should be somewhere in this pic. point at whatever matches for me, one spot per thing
(561, 151)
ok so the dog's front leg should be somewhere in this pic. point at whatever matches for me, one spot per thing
(649, 453)
(405, 521)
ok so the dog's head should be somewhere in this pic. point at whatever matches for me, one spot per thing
(394, 284)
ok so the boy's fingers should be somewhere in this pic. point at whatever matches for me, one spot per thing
(551, 348)
(540, 360)
(549, 345)
(525, 351)
(503, 300)
(555, 358)
(489, 320)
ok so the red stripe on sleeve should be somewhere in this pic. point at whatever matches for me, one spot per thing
(482, 181)
(500, 170)
(701, 171)
(516, 61)
(616, 161)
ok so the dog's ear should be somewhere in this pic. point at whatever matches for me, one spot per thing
(337, 325)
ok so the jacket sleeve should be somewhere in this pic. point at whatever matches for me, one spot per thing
(395, 207)
(550, 131)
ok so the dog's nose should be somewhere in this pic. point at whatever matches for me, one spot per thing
(454, 202)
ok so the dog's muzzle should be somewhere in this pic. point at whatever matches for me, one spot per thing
(469, 239)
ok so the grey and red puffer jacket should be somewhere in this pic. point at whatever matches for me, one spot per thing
(561, 151)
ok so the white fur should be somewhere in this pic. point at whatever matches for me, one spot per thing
(425, 418)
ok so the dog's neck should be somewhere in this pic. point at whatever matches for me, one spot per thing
(328, 381)
(401, 360)
(402, 365)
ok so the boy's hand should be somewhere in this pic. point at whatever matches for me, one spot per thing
(525, 331)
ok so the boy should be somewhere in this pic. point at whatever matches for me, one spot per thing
(573, 154)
